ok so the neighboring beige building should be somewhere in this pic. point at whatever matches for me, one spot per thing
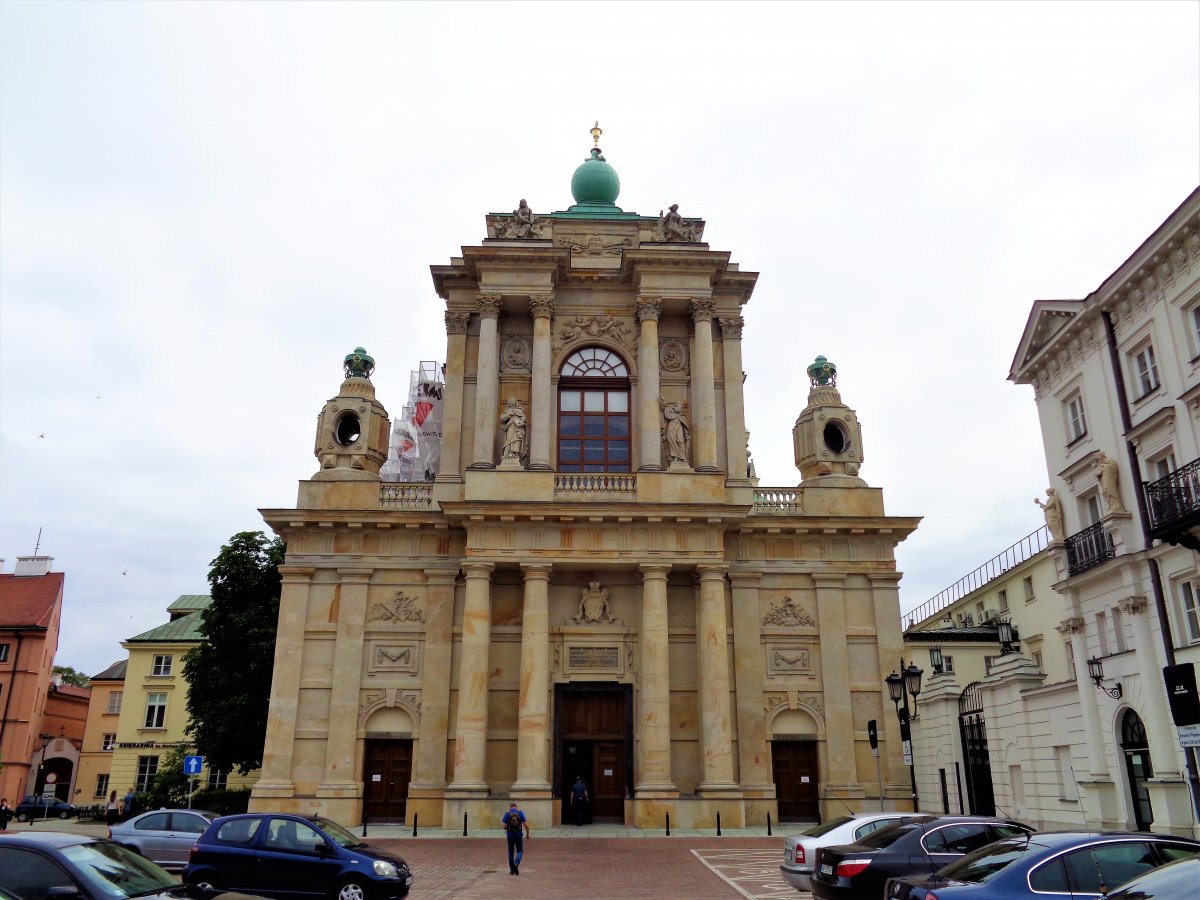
(595, 584)
(100, 736)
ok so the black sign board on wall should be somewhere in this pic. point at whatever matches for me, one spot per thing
(1181, 690)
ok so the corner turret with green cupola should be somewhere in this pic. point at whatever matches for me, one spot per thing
(352, 432)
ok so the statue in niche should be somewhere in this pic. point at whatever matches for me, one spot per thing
(675, 432)
(516, 429)
(1108, 473)
(593, 605)
(1053, 511)
(672, 228)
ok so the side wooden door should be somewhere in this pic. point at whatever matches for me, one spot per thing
(387, 770)
(796, 780)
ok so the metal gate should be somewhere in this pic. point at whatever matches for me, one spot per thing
(981, 799)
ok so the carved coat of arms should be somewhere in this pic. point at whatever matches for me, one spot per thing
(399, 609)
(593, 605)
(788, 612)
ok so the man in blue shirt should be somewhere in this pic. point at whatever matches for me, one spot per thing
(579, 796)
(513, 824)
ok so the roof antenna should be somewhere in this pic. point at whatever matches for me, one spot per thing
(39, 541)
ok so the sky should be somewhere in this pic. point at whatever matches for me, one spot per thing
(205, 206)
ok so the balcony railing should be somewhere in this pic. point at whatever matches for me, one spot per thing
(775, 500)
(406, 495)
(1088, 548)
(591, 484)
(1174, 501)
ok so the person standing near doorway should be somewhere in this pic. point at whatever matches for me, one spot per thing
(514, 823)
(579, 796)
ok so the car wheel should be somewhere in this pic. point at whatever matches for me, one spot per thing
(64, 815)
(206, 883)
(351, 890)
(22, 817)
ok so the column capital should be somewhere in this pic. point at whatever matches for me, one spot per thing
(703, 310)
(296, 574)
(1070, 626)
(478, 569)
(712, 571)
(536, 571)
(489, 305)
(654, 571)
(731, 327)
(1131, 606)
(541, 306)
(457, 322)
(745, 579)
(442, 576)
(648, 308)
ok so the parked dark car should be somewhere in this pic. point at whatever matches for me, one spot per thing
(44, 808)
(1175, 881)
(286, 856)
(919, 844)
(1047, 865)
(800, 849)
(165, 836)
(38, 864)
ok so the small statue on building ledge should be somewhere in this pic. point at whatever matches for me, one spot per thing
(1053, 511)
(1108, 473)
(672, 229)
(676, 433)
(516, 430)
(521, 226)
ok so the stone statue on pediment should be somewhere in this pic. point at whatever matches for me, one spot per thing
(1053, 511)
(672, 229)
(593, 605)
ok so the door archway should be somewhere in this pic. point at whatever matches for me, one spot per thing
(1137, 767)
(973, 731)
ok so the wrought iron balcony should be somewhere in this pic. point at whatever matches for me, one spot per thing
(1174, 504)
(1088, 548)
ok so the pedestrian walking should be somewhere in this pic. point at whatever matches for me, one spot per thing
(112, 809)
(6, 813)
(514, 823)
(579, 796)
(128, 804)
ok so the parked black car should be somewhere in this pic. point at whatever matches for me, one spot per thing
(33, 864)
(1174, 881)
(919, 844)
(1048, 864)
(33, 807)
(286, 856)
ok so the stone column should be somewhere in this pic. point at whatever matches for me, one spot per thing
(653, 765)
(487, 387)
(649, 413)
(704, 417)
(716, 737)
(835, 680)
(341, 744)
(276, 779)
(470, 743)
(429, 768)
(533, 719)
(1097, 761)
(754, 756)
(1155, 713)
(541, 307)
(452, 401)
(735, 409)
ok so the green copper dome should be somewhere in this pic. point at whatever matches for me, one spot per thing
(595, 181)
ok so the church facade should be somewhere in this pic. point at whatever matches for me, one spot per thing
(594, 584)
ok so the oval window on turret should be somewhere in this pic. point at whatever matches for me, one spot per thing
(593, 412)
(836, 438)
(347, 430)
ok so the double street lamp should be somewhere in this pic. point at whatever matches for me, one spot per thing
(900, 686)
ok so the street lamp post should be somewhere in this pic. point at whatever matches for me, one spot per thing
(39, 793)
(900, 686)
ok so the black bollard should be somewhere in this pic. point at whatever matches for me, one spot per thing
(768, 824)
(415, 824)
(464, 824)
(718, 823)
(668, 824)
(364, 824)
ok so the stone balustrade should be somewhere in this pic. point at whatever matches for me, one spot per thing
(593, 483)
(406, 495)
(784, 501)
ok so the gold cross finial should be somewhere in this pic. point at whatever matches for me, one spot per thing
(596, 132)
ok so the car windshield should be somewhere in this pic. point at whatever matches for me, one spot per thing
(825, 827)
(112, 871)
(983, 865)
(337, 833)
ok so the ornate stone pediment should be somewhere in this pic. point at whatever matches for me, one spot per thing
(580, 327)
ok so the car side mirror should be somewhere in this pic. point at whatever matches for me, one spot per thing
(63, 892)
(323, 849)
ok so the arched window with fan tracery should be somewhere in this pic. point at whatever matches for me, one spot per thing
(593, 412)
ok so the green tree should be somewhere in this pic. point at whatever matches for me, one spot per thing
(229, 674)
(170, 785)
(72, 676)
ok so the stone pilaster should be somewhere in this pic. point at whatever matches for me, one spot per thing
(1097, 760)
(754, 756)
(470, 743)
(487, 387)
(533, 719)
(541, 307)
(341, 745)
(653, 764)
(429, 769)
(716, 736)
(452, 401)
(735, 410)
(649, 413)
(276, 780)
(835, 679)
(704, 426)
(1153, 706)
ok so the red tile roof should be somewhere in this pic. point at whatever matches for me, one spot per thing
(27, 601)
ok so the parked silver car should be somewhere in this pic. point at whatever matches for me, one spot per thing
(164, 836)
(800, 850)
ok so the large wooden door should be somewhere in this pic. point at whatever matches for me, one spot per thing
(593, 744)
(387, 769)
(796, 779)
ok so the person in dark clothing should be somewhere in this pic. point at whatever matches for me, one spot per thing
(514, 823)
(579, 797)
(6, 813)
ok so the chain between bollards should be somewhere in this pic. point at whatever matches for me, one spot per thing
(718, 823)
(414, 824)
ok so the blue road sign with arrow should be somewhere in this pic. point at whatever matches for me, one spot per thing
(193, 765)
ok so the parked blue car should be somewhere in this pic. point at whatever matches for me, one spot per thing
(1046, 865)
(285, 856)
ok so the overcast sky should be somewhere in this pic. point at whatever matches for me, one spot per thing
(205, 206)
